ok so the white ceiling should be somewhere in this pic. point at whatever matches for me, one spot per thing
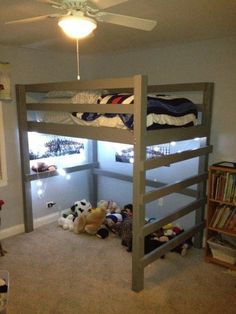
(178, 21)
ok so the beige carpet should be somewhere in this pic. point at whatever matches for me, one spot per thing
(56, 271)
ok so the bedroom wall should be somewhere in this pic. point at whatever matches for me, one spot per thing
(31, 66)
(212, 60)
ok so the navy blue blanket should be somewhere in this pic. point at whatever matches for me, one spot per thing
(156, 105)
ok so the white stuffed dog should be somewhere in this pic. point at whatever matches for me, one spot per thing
(66, 221)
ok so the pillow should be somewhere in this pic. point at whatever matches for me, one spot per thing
(60, 94)
(86, 97)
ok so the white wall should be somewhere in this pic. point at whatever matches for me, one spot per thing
(212, 60)
(26, 66)
(206, 61)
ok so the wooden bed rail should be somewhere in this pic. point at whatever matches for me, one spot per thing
(140, 138)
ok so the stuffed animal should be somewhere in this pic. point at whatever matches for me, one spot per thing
(114, 221)
(66, 221)
(42, 166)
(90, 221)
(110, 206)
(102, 232)
(80, 206)
(168, 232)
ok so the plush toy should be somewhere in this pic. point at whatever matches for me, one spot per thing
(114, 221)
(110, 206)
(80, 206)
(42, 166)
(90, 221)
(102, 232)
(168, 232)
(66, 221)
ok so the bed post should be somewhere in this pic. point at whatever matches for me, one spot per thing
(93, 190)
(24, 152)
(140, 109)
(203, 160)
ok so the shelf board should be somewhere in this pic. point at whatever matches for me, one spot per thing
(217, 261)
(228, 232)
(221, 202)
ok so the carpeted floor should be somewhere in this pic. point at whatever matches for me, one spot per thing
(56, 271)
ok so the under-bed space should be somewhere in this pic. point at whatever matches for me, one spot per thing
(133, 103)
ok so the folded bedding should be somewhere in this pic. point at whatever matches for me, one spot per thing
(162, 112)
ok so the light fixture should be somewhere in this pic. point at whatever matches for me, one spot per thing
(77, 26)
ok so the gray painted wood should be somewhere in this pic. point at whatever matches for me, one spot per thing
(140, 138)
(24, 151)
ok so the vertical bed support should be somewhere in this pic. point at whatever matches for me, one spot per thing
(93, 156)
(24, 149)
(203, 160)
(139, 176)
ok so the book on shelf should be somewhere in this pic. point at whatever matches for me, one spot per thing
(229, 187)
(216, 212)
(219, 212)
(225, 215)
(231, 224)
(214, 183)
(227, 223)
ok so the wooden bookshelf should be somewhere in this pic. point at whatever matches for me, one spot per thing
(221, 214)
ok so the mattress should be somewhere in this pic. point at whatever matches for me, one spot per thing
(162, 111)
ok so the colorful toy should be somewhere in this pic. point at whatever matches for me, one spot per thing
(110, 206)
(90, 221)
(102, 232)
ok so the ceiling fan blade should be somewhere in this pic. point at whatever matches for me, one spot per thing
(128, 21)
(33, 19)
(104, 4)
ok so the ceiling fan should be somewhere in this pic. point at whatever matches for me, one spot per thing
(81, 16)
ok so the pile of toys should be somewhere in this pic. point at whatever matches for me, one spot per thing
(108, 218)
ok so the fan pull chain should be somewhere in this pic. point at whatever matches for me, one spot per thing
(77, 57)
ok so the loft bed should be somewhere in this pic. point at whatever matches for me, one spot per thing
(140, 137)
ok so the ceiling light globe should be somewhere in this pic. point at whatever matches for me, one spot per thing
(77, 26)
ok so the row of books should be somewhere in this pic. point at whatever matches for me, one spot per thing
(224, 217)
(223, 186)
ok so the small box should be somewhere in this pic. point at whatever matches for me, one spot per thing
(222, 251)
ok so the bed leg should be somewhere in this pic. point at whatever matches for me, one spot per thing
(137, 278)
(198, 239)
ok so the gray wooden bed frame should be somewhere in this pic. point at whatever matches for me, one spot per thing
(140, 138)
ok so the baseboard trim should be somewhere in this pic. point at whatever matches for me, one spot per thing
(18, 229)
(45, 220)
(12, 231)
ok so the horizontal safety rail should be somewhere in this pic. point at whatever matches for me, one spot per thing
(173, 188)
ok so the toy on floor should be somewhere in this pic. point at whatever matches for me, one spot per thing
(153, 240)
(113, 222)
(102, 232)
(3, 295)
(80, 206)
(90, 221)
(124, 228)
(110, 206)
(168, 232)
(66, 221)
